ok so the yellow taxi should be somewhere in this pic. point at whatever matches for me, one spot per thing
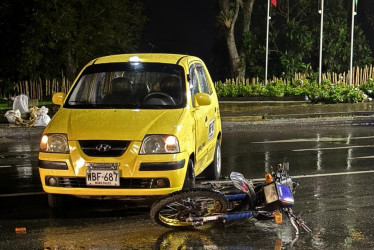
(132, 126)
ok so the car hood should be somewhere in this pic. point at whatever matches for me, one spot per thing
(113, 124)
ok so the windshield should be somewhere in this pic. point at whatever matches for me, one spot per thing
(129, 85)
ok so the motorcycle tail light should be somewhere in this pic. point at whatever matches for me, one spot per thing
(268, 178)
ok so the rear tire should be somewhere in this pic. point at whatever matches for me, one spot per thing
(213, 171)
(56, 200)
(174, 209)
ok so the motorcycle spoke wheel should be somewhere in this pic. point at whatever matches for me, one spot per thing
(174, 210)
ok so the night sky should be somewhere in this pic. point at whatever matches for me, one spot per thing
(190, 27)
(186, 27)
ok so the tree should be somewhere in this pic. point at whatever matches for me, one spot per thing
(65, 35)
(337, 39)
(295, 37)
(229, 19)
(292, 37)
(13, 20)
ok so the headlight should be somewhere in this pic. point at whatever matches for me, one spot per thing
(159, 144)
(54, 143)
(271, 194)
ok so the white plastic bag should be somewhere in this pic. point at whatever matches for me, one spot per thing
(11, 115)
(43, 119)
(21, 102)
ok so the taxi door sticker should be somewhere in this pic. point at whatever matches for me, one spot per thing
(211, 129)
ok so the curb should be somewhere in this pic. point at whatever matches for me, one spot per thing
(319, 115)
(259, 118)
(298, 123)
(20, 132)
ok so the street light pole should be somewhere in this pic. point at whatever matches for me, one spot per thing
(267, 43)
(352, 33)
(320, 44)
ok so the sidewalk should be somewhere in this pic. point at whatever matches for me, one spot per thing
(236, 115)
(266, 111)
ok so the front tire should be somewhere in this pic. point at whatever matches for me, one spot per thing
(173, 210)
(213, 171)
(56, 200)
(189, 180)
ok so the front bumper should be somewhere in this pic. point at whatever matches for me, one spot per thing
(138, 173)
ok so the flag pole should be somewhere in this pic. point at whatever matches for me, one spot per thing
(352, 33)
(267, 43)
(321, 44)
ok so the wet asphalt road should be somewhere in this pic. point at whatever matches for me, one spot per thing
(335, 198)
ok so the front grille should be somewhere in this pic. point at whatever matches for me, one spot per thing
(125, 183)
(103, 148)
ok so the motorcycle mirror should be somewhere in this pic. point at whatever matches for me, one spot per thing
(287, 166)
(280, 167)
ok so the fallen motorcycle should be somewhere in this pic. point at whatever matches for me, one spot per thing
(234, 200)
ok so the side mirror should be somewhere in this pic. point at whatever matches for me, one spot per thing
(201, 99)
(58, 98)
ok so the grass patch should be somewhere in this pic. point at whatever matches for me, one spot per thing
(6, 106)
(325, 92)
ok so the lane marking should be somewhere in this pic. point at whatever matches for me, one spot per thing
(322, 139)
(363, 157)
(333, 174)
(305, 176)
(6, 166)
(21, 194)
(335, 148)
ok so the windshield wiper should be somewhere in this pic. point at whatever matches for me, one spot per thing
(120, 106)
(159, 106)
(80, 102)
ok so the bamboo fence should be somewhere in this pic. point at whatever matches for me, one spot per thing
(360, 76)
(40, 89)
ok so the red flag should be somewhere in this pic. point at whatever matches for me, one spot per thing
(274, 2)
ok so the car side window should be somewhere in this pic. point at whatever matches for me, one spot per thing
(194, 83)
(204, 84)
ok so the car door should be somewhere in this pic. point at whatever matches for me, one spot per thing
(204, 117)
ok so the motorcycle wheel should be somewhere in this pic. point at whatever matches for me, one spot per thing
(173, 210)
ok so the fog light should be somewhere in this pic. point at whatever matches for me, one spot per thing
(52, 181)
(160, 183)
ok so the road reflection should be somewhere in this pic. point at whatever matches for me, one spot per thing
(313, 150)
(337, 208)
(114, 236)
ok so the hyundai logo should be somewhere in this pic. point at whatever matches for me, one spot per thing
(103, 147)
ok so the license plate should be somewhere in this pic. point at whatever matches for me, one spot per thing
(102, 177)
